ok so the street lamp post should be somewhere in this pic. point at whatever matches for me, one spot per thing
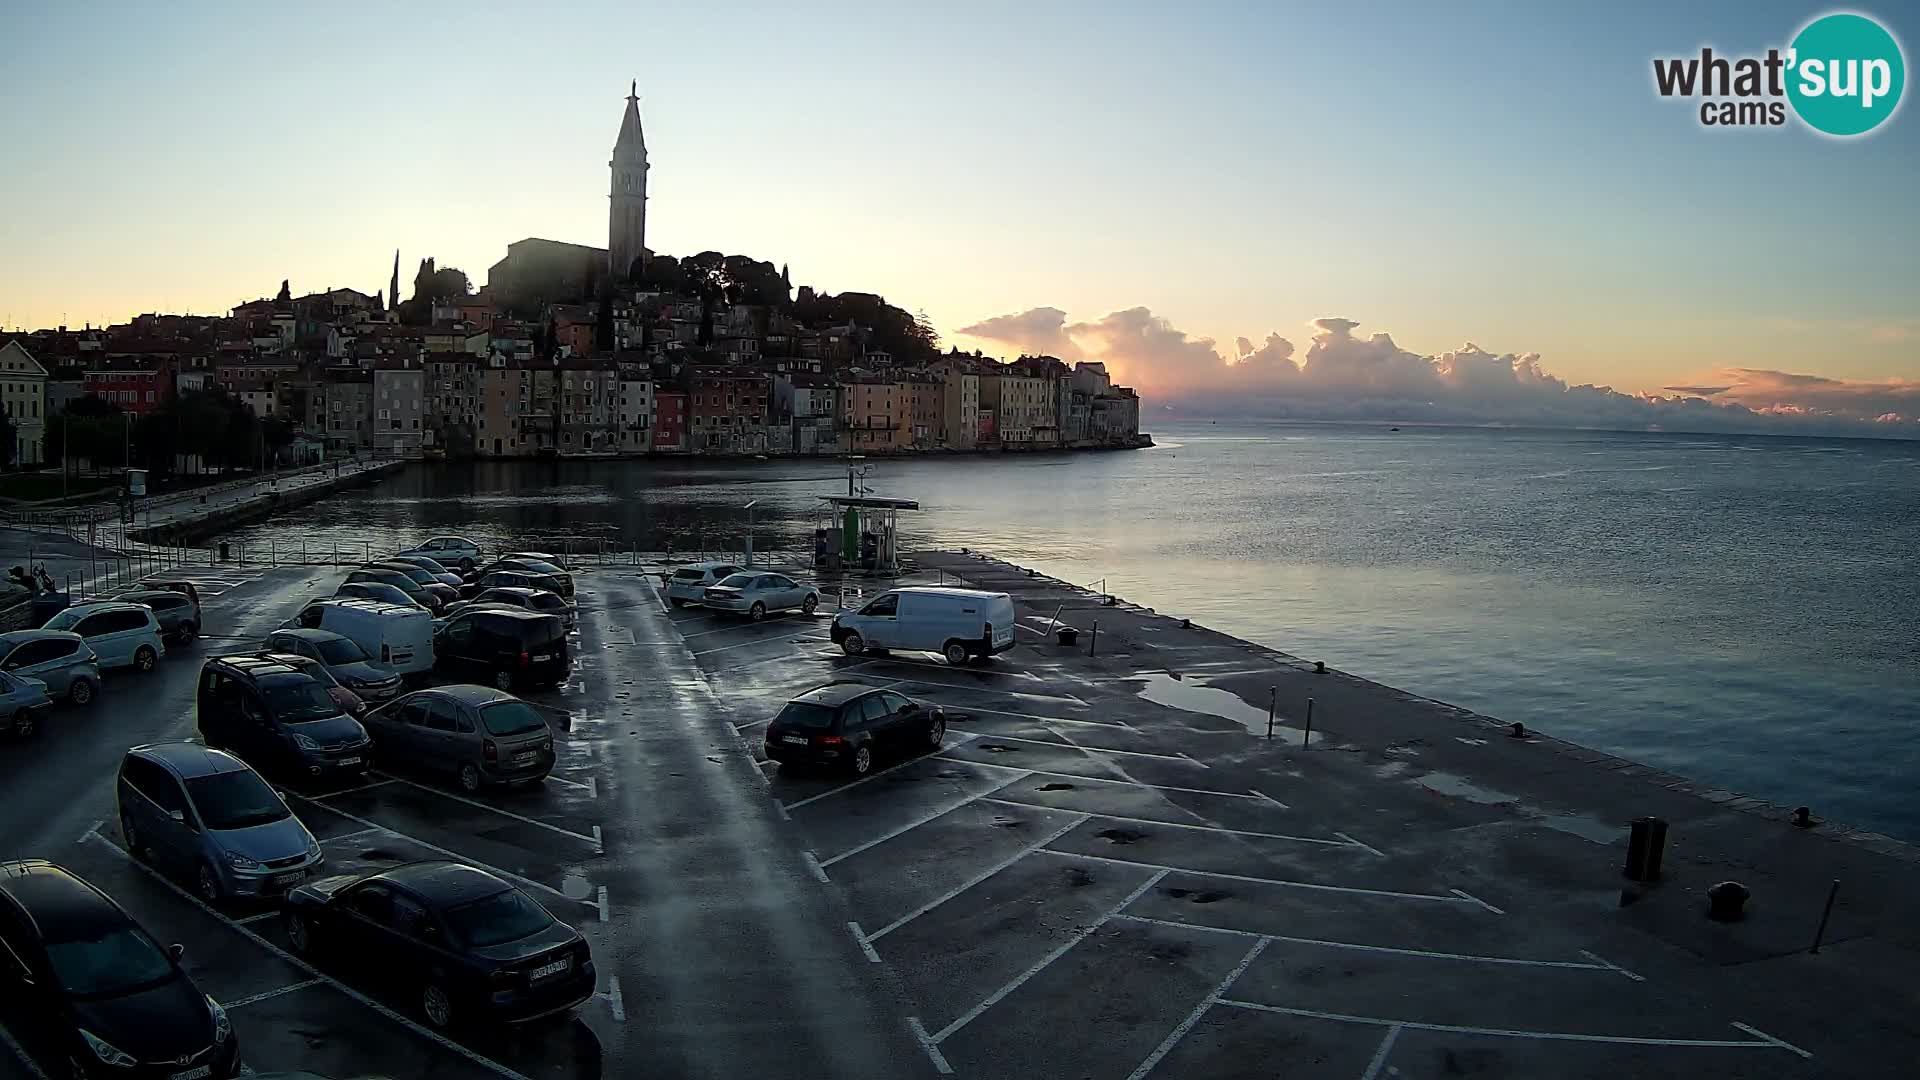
(749, 508)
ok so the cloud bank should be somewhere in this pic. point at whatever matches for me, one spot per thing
(1345, 376)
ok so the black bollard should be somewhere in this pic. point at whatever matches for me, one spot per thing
(1825, 914)
(1646, 847)
(1727, 902)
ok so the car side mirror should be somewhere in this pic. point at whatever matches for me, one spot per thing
(175, 951)
(912, 706)
(179, 816)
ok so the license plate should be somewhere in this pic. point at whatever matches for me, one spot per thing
(348, 761)
(798, 740)
(289, 879)
(526, 758)
(547, 971)
(194, 1074)
(541, 658)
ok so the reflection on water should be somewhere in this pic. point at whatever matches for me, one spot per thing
(1756, 624)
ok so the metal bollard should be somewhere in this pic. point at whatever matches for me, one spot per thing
(1307, 736)
(1273, 702)
(1825, 914)
(1646, 847)
(1093, 643)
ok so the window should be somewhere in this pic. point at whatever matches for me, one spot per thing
(440, 714)
(886, 606)
(236, 800)
(412, 712)
(372, 900)
(873, 710)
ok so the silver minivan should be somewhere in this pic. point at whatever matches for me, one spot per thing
(60, 658)
(203, 814)
(121, 635)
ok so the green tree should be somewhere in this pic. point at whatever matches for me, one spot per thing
(9, 433)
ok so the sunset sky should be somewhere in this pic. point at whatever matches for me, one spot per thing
(1501, 174)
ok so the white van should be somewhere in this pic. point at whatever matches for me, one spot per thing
(398, 636)
(956, 623)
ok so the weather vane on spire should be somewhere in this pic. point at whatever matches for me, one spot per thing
(633, 90)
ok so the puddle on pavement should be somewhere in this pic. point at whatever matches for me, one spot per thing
(1460, 787)
(1162, 689)
(575, 887)
(1077, 878)
(998, 748)
(1054, 787)
(1006, 823)
(1584, 827)
(1391, 769)
(1121, 836)
(379, 855)
(1199, 896)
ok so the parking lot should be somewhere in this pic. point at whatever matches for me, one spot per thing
(1079, 882)
(1082, 882)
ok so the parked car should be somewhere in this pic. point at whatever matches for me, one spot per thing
(454, 551)
(422, 577)
(277, 717)
(22, 703)
(477, 734)
(184, 587)
(440, 573)
(378, 590)
(474, 948)
(538, 556)
(198, 811)
(120, 635)
(510, 648)
(512, 579)
(851, 725)
(959, 624)
(349, 702)
(535, 567)
(547, 603)
(754, 594)
(415, 592)
(345, 660)
(59, 658)
(178, 615)
(688, 584)
(399, 638)
(97, 993)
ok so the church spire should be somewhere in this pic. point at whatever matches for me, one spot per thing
(393, 287)
(627, 210)
(631, 137)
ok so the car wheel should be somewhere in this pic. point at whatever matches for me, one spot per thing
(811, 602)
(503, 680)
(132, 837)
(853, 644)
(24, 724)
(299, 933)
(863, 760)
(81, 692)
(470, 778)
(466, 566)
(207, 883)
(757, 612)
(955, 652)
(144, 657)
(937, 731)
(184, 635)
(438, 1006)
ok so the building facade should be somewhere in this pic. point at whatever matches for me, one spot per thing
(669, 421)
(728, 410)
(23, 394)
(636, 411)
(399, 408)
(627, 201)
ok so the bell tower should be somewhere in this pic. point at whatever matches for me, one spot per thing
(627, 209)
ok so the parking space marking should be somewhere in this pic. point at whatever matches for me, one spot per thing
(1181, 824)
(777, 638)
(1102, 779)
(1258, 794)
(813, 866)
(866, 943)
(1012, 673)
(737, 728)
(1079, 819)
(1361, 846)
(399, 1018)
(916, 823)
(1071, 745)
(736, 625)
(1380, 1055)
(589, 786)
(351, 790)
(615, 1003)
(1122, 724)
(91, 829)
(1279, 882)
(1040, 965)
(1763, 1042)
(959, 739)
(1605, 963)
(454, 855)
(1472, 899)
(477, 804)
(267, 995)
(1355, 946)
(976, 689)
(1180, 1030)
(354, 835)
(33, 1067)
(933, 1049)
(258, 916)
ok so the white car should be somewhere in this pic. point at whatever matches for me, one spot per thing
(449, 551)
(688, 584)
(754, 593)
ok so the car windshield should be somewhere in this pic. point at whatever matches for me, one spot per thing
(737, 581)
(109, 961)
(341, 651)
(420, 574)
(547, 601)
(497, 919)
(314, 669)
(539, 567)
(504, 718)
(299, 702)
(804, 714)
(239, 799)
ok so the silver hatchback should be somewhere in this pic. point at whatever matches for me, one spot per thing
(60, 658)
(203, 814)
(476, 734)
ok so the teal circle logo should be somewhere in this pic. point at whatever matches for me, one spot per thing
(1845, 74)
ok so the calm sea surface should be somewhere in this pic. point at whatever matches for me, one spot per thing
(1737, 609)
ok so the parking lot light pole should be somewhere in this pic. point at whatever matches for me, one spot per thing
(749, 508)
